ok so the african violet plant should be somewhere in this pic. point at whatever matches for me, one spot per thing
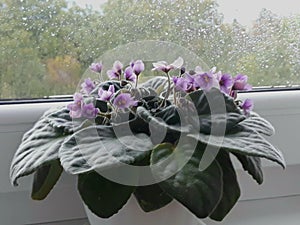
(189, 106)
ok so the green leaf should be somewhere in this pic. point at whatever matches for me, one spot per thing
(231, 189)
(246, 142)
(143, 92)
(46, 114)
(158, 83)
(255, 122)
(215, 110)
(98, 147)
(151, 197)
(63, 123)
(223, 123)
(45, 178)
(252, 165)
(103, 197)
(212, 102)
(199, 191)
(159, 124)
(169, 115)
(39, 146)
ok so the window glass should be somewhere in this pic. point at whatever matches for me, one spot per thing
(45, 46)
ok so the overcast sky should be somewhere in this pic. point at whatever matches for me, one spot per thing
(245, 11)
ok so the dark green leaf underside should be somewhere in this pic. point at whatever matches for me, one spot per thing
(45, 178)
(103, 197)
(252, 165)
(199, 191)
(151, 197)
(231, 189)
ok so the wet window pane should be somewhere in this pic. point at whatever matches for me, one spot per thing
(45, 46)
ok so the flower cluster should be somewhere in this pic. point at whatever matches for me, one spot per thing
(206, 80)
(117, 100)
(130, 73)
(80, 109)
(184, 82)
(198, 79)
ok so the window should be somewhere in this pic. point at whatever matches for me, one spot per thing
(45, 46)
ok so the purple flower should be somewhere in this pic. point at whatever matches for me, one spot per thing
(88, 86)
(106, 95)
(78, 98)
(116, 71)
(233, 94)
(113, 74)
(163, 66)
(75, 107)
(124, 101)
(89, 111)
(225, 82)
(131, 63)
(79, 109)
(96, 67)
(240, 83)
(180, 83)
(206, 81)
(129, 75)
(247, 106)
(138, 67)
(192, 85)
(118, 66)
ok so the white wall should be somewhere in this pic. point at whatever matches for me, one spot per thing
(16, 206)
(278, 199)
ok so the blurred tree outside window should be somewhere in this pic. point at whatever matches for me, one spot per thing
(45, 46)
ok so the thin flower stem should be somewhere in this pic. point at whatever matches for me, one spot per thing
(168, 91)
(174, 96)
(105, 120)
(169, 87)
(112, 105)
(136, 81)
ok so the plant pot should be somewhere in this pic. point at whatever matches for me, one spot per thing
(132, 214)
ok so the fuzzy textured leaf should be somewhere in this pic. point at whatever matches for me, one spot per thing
(98, 147)
(246, 142)
(39, 146)
(157, 122)
(261, 125)
(63, 123)
(221, 122)
(212, 102)
(217, 112)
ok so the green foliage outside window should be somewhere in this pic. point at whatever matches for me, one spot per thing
(45, 46)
